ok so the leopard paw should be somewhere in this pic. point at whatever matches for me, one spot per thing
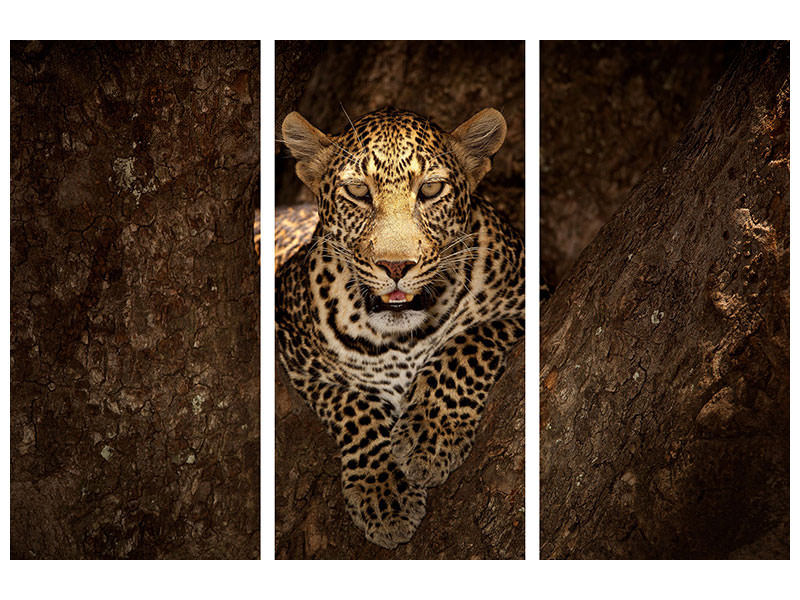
(424, 453)
(385, 506)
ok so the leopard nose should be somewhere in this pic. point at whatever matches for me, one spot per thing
(396, 269)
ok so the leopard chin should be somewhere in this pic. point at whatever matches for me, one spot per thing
(397, 312)
(397, 321)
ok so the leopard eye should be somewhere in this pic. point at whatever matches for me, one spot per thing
(431, 189)
(358, 190)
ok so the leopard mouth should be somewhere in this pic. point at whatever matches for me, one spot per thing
(398, 301)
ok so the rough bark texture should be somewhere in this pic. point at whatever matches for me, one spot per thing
(134, 300)
(479, 511)
(609, 110)
(664, 354)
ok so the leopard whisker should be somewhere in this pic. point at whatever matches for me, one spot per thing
(317, 241)
(442, 154)
(476, 251)
(352, 156)
(351, 125)
(459, 240)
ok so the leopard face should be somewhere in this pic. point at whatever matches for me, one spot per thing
(394, 200)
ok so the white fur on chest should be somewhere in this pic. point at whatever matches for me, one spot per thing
(392, 373)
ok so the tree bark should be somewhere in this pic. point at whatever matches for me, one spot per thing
(134, 300)
(479, 512)
(664, 370)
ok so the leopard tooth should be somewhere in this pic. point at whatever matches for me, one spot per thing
(386, 298)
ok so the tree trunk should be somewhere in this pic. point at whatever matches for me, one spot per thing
(664, 353)
(134, 300)
(477, 513)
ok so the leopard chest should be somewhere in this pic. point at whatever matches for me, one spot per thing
(390, 375)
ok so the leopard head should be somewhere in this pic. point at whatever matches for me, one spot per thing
(394, 194)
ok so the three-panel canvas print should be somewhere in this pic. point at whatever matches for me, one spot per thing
(380, 274)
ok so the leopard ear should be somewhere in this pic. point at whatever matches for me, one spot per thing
(478, 139)
(309, 146)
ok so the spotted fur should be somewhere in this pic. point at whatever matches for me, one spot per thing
(257, 234)
(393, 323)
(294, 228)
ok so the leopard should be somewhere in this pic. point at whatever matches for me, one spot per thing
(395, 320)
